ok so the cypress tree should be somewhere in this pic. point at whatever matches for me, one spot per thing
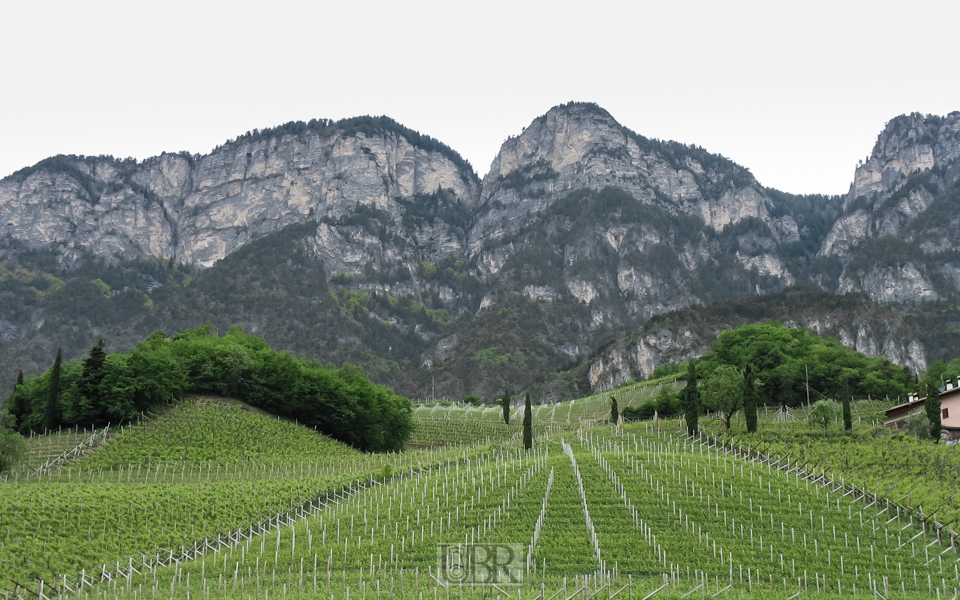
(505, 403)
(15, 406)
(750, 398)
(51, 414)
(527, 424)
(847, 411)
(89, 385)
(690, 399)
(614, 410)
(932, 407)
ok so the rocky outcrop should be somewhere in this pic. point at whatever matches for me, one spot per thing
(198, 209)
(903, 191)
(908, 144)
(900, 284)
(638, 360)
(581, 146)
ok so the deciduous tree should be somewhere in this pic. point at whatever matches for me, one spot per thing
(822, 413)
(723, 392)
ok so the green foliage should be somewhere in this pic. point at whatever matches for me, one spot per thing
(427, 268)
(666, 404)
(473, 400)
(441, 205)
(918, 425)
(520, 178)
(614, 409)
(723, 391)
(354, 304)
(340, 402)
(814, 214)
(489, 356)
(782, 357)
(822, 413)
(672, 370)
(12, 445)
(440, 316)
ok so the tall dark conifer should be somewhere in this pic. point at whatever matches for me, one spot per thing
(690, 399)
(505, 403)
(932, 407)
(614, 410)
(750, 397)
(847, 409)
(527, 424)
(89, 385)
(51, 414)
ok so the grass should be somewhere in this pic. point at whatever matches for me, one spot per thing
(200, 429)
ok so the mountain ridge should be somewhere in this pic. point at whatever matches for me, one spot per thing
(587, 224)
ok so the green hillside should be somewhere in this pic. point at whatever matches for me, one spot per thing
(589, 507)
(198, 469)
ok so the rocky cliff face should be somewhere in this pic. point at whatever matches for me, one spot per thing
(903, 192)
(199, 209)
(594, 224)
(581, 146)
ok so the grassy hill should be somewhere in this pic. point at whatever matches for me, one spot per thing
(198, 469)
(174, 499)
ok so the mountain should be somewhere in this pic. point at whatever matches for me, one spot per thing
(361, 240)
(895, 236)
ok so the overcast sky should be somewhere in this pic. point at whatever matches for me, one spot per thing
(796, 92)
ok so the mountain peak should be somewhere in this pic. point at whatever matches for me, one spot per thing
(907, 144)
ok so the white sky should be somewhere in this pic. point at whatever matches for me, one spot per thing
(796, 92)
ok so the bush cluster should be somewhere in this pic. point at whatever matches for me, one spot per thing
(341, 403)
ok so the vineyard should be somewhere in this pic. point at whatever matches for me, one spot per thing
(575, 413)
(209, 500)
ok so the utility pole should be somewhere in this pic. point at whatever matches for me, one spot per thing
(807, 377)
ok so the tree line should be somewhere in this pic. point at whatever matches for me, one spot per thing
(770, 364)
(112, 388)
